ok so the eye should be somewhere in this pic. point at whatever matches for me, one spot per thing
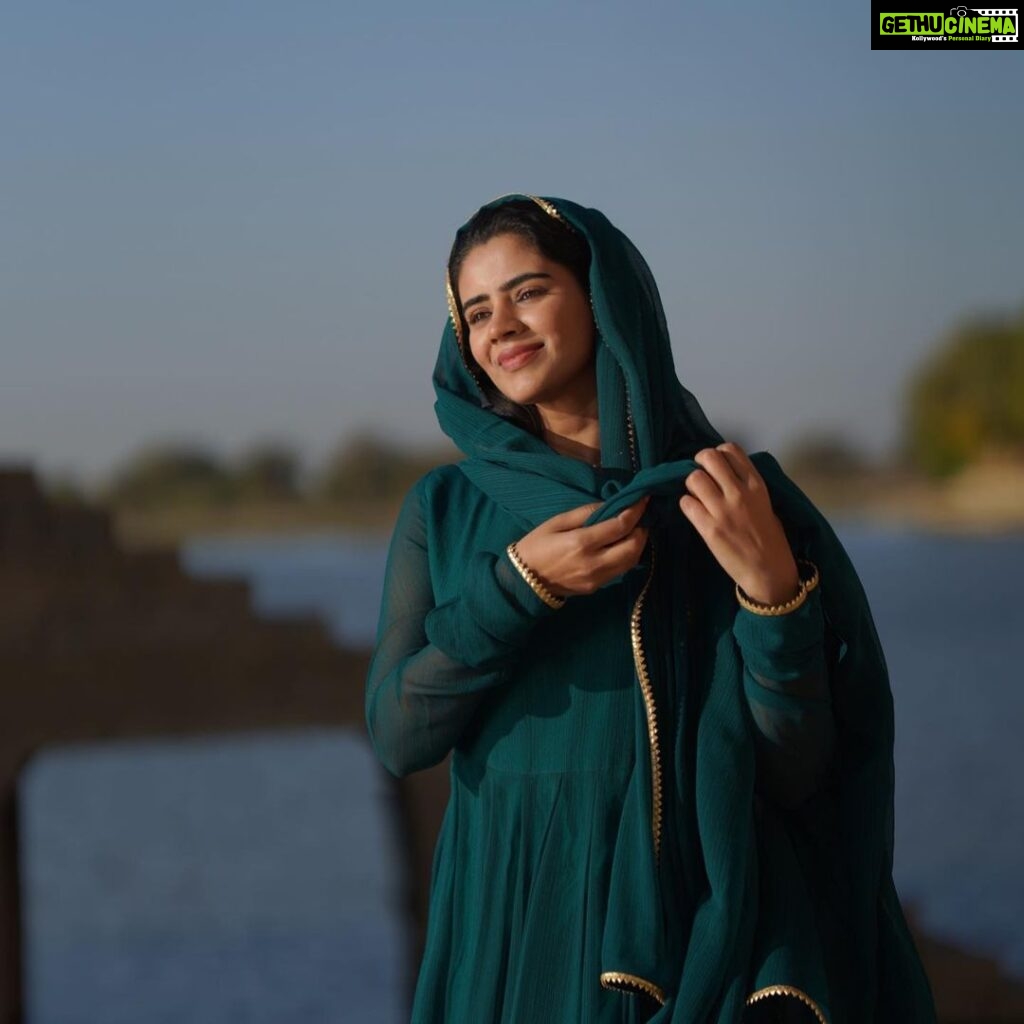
(475, 316)
(528, 292)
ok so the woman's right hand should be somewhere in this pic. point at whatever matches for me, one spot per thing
(571, 558)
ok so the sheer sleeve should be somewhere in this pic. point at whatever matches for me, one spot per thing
(433, 663)
(785, 679)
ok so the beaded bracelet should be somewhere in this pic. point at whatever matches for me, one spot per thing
(806, 586)
(533, 579)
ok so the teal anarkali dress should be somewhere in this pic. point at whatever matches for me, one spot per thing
(664, 807)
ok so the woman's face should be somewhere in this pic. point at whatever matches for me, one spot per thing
(530, 325)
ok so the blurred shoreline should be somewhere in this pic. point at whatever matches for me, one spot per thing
(178, 653)
(987, 497)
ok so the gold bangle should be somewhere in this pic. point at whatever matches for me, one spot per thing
(806, 586)
(533, 579)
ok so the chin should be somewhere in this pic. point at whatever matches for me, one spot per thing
(515, 390)
(523, 395)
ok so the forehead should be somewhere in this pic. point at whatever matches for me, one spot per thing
(490, 264)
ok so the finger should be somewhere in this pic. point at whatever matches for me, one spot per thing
(615, 559)
(574, 517)
(703, 486)
(718, 466)
(608, 531)
(632, 514)
(696, 513)
(741, 463)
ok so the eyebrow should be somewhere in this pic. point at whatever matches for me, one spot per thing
(506, 287)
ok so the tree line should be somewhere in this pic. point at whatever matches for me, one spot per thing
(362, 467)
(965, 398)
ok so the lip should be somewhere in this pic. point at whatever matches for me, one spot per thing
(518, 355)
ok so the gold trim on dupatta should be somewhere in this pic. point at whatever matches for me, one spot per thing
(631, 984)
(453, 312)
(788, 992)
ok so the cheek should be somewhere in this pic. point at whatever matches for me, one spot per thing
(577, 333)
(577, 327)
(479, 351)
(478, 348)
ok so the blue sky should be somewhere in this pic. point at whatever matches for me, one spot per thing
(227, 222)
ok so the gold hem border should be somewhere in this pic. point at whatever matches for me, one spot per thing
(619, 981)
(791, 992)
(631, 984)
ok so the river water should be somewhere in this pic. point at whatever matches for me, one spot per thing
(254, 878)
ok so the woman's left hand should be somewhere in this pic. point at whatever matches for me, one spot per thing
(731, 509)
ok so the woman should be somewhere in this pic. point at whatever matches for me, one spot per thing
(655, 668)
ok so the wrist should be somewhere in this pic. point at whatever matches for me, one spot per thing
(773, 589)
(807, 580)
(537, 585)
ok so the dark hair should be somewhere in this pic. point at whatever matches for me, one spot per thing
(553, 240)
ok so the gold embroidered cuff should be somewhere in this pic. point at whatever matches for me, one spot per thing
(533, 579)
(808, 581)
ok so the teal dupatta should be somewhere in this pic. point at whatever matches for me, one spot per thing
(719, 900)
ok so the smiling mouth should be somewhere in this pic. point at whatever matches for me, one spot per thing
(519, 356)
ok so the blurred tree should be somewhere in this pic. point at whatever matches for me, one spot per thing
(168, 474)
(65, 489)
(364, 466)
(968, 396)
(268, 471)
(826, 454)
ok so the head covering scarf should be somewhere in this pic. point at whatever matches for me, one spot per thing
(716, 899)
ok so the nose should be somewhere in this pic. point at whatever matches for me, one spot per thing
(503, 323)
